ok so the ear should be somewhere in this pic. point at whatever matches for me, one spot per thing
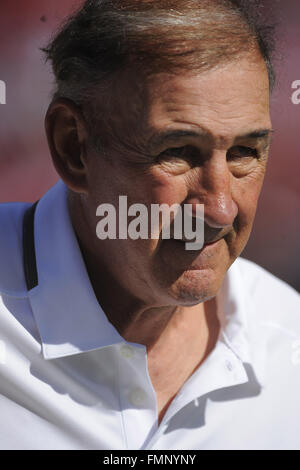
(67, 138)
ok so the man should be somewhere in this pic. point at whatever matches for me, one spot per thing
(138, 343)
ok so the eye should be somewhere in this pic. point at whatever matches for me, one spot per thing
(240, 151)
(187, 152)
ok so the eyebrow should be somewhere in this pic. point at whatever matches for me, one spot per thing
(258, 134)
(176, 134)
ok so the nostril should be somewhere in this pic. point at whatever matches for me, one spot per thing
(218, 218)
(220, 212)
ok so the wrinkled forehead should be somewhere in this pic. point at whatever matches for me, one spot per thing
(224, 101)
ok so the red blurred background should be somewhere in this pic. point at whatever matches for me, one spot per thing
(26, 171)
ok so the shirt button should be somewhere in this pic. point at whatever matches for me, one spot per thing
(137, 397)
(229, 365)
(126, 351)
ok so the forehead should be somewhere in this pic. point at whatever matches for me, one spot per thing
(227, 101)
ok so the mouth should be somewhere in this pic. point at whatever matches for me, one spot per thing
(208, 237)
(212, 242)
(194, 240)
(175, 254)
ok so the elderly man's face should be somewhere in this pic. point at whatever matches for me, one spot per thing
(202, 138)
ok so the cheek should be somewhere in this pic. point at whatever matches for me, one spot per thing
(246, 194)
(167, 189)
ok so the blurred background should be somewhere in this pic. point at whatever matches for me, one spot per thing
(26, 171)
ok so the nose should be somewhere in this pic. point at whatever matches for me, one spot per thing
(213, 188)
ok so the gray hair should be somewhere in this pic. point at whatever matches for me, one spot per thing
(105, 36)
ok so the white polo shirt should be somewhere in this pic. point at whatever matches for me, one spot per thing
(68, 380)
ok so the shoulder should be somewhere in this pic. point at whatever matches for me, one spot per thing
(260, 283)
(11, 254)
(16, 318)
(272, 312)
(268, 298)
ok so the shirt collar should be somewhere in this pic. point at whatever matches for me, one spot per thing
(233, 316)
(234, 313)
(68, 315)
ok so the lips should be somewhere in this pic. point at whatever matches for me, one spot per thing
(193, 240)
(211, 235)
(210, 242)
(183, 238)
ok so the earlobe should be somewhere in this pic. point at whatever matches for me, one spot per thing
(67, 137)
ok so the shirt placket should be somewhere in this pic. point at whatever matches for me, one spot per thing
(222, 369)
(137, 397)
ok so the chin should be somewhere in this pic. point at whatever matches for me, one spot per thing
(195, 286)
